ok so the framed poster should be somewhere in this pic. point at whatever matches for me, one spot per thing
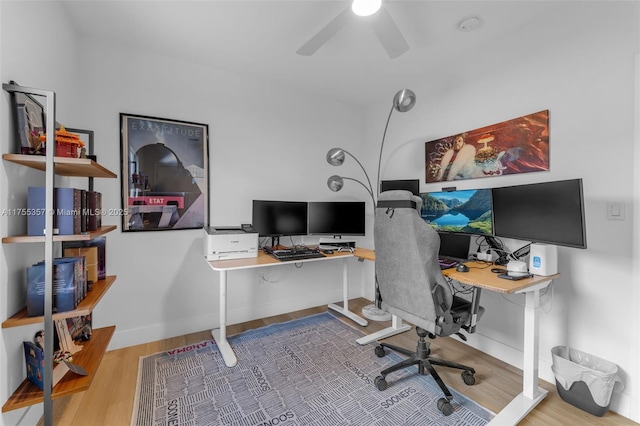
(29, 122)
(165, 173)
(515, 146)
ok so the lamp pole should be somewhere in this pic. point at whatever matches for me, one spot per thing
(403, 101)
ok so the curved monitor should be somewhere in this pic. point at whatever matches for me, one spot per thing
(467, 211)
(337, 218)
(549, 212)
(279, 218)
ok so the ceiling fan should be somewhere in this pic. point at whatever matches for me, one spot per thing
(383, 26)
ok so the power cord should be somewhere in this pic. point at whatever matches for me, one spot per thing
(497, 246)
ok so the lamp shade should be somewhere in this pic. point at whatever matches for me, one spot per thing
(335, 156)
(404, 100)
(335, 183)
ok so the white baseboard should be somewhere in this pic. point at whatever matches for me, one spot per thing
(152, 333)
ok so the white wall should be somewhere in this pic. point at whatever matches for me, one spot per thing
(581, 68)
(265, 143)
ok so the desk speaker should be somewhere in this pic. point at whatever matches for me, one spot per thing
(543, 259)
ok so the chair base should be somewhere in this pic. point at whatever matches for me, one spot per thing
(425, 364)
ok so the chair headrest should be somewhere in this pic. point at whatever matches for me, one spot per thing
(399, 199)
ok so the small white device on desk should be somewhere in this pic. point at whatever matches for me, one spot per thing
(222, 243)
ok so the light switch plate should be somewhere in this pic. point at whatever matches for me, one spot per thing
(615, 210)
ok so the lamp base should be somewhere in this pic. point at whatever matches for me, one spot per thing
(373, 313)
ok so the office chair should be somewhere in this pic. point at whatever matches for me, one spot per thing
(413, 288)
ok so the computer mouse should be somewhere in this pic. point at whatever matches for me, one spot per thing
(462, 267)
(327, 251)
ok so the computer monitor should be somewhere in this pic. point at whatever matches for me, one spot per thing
(337, 218)
(549, 212)
(412, 185)
(279, 218)
(454, 246)
(467, 211)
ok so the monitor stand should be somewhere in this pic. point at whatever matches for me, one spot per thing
(503, 259)
(337, 242)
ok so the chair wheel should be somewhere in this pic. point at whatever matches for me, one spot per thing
(380, 383)
(468, 378)
(445, 406)
(379, 350)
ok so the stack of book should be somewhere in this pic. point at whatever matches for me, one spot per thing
(69, 285)
(76, 211)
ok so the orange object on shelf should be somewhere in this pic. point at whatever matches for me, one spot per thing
(67, 143)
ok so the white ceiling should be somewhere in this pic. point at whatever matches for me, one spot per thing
(260, 38)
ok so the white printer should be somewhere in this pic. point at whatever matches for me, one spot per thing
(222, 243)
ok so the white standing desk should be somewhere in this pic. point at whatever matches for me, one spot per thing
(480, 276)
(264, 260)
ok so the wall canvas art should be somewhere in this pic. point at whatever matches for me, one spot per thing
(164, 173)
(515, 146)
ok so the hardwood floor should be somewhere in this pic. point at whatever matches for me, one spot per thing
(110, 399)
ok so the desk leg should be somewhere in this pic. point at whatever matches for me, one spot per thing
(531, 394)
(344, 310)
(220, 334)
(397, 327)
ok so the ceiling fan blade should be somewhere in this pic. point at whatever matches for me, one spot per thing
(388, 33)
(322, 36)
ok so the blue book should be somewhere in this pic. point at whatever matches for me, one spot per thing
(78, 287)
(35, 290)
(36, 211)
(34, 358)
(67, 204)
(65, 296)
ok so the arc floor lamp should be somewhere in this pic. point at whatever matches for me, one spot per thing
(403, 101)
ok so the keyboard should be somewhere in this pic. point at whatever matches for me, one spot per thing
(446, 263)
(295, 254)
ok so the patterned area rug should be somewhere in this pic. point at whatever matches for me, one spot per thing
(308, 371)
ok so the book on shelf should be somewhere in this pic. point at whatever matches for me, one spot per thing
(101, 244)
(75, 211)
(80, 328)
(69, 285)
(36, 211)
(68, 210)
(84, 220)
(91, 261)
(94, 209)
(65, 341)
(34, 360)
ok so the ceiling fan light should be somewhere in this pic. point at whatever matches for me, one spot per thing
(365, 7)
